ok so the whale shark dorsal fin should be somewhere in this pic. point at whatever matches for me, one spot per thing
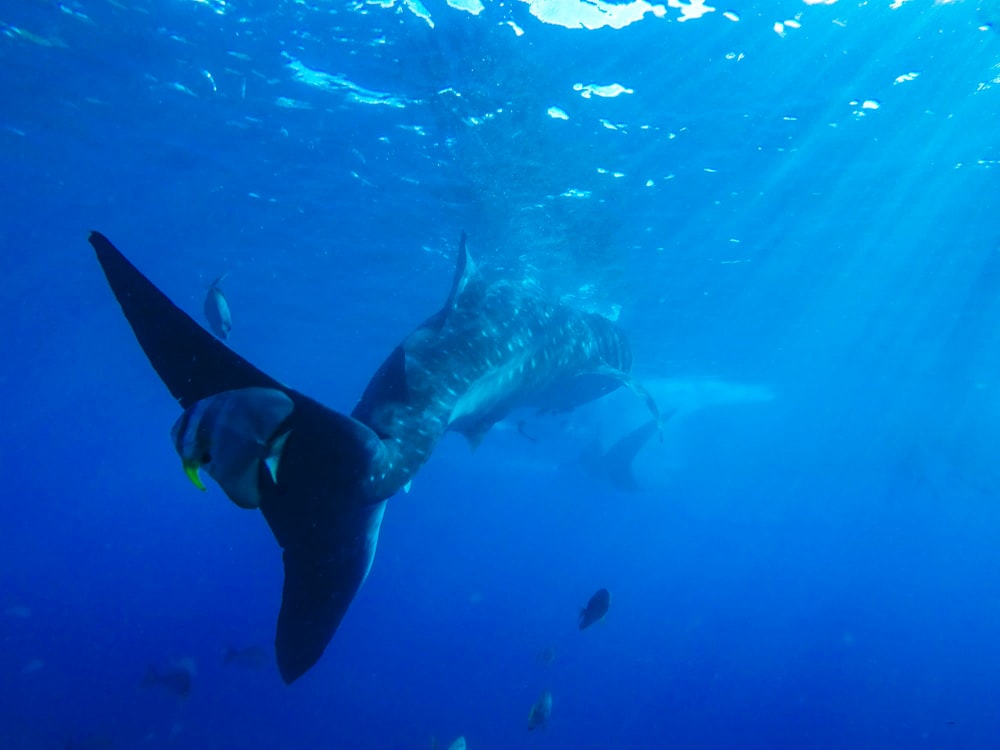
(190, 361)
(465, 272)
(465, 275)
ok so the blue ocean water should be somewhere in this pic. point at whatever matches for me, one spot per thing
(790, 207)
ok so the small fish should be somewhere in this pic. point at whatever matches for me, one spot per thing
(546, 656)
(596, 608)
(540, 712)
(522, 430)
(177, 678)
(220, 320)
(18, 610)
(458, 744)
(251, 657)
(90, 742)
(33, 666)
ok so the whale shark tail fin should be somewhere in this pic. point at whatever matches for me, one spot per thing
(191, 362)
(315, 597)
(326, 516)
(619, 457)
(618, 460)
(311, 476)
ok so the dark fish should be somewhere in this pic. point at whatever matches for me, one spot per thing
(523, 432)
(596, 608)
(234, 435)
(252, 657)
(220, 320)
(90, 742)
(540, 712)
(176, 678)
(546, 656)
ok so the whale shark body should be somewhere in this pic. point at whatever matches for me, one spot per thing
(321, 478)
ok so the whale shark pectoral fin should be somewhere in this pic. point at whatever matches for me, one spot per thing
(639, 390)
(591, 384)
(319, 589)
(191, 362)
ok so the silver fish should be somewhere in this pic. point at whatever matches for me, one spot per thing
(540, 712)
(176, 678)
(220, 320)
(251, 657)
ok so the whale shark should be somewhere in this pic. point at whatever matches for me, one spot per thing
(614, 441)
(322, 478)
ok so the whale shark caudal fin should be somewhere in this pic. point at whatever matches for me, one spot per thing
(619, 457)
(313, 601)
(191, 362)
(327, 522)
(323, 505)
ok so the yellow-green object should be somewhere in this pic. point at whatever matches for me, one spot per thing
(191, 469)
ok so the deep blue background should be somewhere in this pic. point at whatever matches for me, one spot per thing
(814, 571)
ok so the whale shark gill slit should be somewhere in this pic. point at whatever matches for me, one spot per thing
(493, 348)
